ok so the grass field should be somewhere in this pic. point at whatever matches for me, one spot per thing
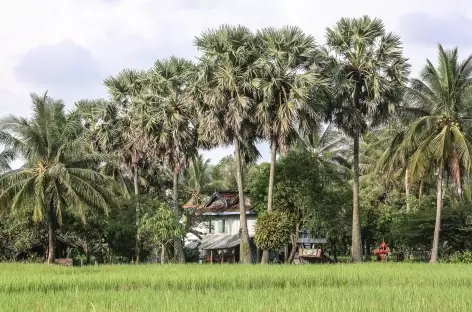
(365, 287)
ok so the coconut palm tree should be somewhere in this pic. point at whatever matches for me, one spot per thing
(170, 113)
(369, 72)
(226, 71)
(60, 168)
(327, 144)
(198, 179)
(439, 138)
(286, 79)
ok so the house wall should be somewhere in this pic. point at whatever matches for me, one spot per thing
(223, 224)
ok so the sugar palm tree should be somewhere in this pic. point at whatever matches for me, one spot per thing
(127, 134)
(226, 71)
(439, 138)
(171, 121)
(369, 72)
(59, 170)
(286, 79)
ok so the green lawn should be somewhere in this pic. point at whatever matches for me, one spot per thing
(365, 287)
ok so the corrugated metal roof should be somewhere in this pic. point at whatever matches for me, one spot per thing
(219, 241)
(192, 245)
(310, 240)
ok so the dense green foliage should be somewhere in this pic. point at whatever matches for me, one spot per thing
(273, 230)
(106, 181)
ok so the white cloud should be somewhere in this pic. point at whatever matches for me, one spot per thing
(133, 33)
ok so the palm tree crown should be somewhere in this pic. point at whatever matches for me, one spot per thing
(60, 167)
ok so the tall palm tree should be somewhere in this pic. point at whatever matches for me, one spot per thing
(369, 72)
(226, 74)
(127, 135)
(171, 121)
(439, 138)
(60, 169)
(286, 79)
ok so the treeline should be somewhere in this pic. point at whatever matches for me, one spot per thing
(344, 115)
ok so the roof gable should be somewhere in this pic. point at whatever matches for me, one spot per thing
(222, 202)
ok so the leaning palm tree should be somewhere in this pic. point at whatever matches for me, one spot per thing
(226, 71)
(286, 79)
(439, 138)
(170, 114)
(59, 170)
(369, 73)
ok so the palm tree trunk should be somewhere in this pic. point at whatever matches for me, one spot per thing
(51, 234)
(407, 189)
(420, 190)
(178, 246)
(273, 158)
(437, 227)
(245, 248)
(356, 228)
(138, 213)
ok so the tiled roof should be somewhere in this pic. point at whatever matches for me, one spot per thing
(221, 202)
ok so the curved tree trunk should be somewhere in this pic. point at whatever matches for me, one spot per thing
(178, 245)
(138, 213)
(273, 158)
(437, 227)
(51, 233)
(245, 248)
(294, 244)
(356, 228)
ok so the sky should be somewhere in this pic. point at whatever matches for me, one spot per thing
(68, 47)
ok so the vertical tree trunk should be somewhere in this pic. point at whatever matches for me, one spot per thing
(245, 248)
(273, 158)
(138, 212)
(407, 189)
(163, 254)
(420, 190)
(356, 228)
(178, 245)
(437, 227)
(335, 254)
(51, 233)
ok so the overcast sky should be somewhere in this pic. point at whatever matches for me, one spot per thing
(69, 46)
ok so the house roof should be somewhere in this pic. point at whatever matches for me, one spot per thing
(220, 241)
(222, 202)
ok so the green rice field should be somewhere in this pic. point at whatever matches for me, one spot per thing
(364, 287)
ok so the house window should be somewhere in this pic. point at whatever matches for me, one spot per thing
(221, 226)
(211, 227)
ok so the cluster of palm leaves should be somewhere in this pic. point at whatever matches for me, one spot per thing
(276, 85)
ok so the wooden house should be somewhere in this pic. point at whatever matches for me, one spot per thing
(219, 225)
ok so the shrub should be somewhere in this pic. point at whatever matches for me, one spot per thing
(461, 257)
(273, 230)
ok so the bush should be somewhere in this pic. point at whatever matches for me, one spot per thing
(461, 257)
(273, 230)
